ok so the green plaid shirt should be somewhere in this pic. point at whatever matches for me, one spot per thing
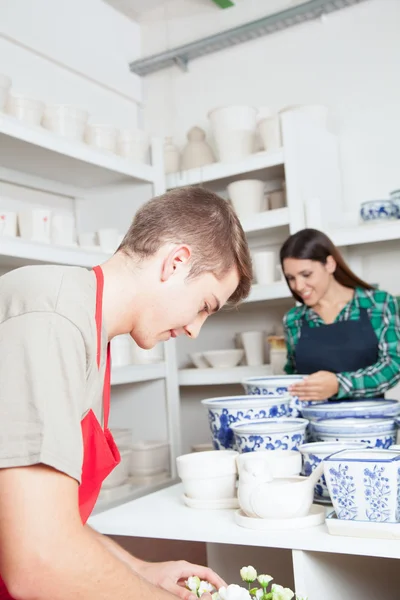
(382, 310)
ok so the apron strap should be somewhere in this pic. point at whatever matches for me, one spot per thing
(99, 320)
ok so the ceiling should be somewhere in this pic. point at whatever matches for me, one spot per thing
(138, 9)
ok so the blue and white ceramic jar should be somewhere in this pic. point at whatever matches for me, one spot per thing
(226, 411)
(269, 434)
(316, 452)
(378, 210)
(339, 409)
(364, 485)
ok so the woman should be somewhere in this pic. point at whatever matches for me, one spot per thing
(345, 334)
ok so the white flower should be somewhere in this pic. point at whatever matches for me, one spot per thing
(264, 580)
(248, 574)
(280, 593)
(193, 583)
(234, 592)
(205, 588)
(216, 596)
(259, 593)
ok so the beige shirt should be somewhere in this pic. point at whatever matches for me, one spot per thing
(48, 372)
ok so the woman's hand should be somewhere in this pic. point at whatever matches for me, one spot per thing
(171, 576)
(317, 387)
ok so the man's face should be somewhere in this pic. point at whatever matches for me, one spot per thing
(180, 305)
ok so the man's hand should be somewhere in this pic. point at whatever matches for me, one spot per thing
(317, 387)
(171, 576)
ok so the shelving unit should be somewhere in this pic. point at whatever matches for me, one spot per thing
(221, 376)
(370, 233)
(138, 373)
(274, 291)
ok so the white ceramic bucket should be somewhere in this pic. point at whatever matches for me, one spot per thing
(253, 343)
(8, 223)
(247, 196)
(234, 131)
(270, 133)
(264, 266)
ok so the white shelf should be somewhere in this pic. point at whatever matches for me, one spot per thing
(274, 291)
(366, 234)
(164, 515)
(40, 153)
(266, 220)
(138, 373)
(221, 376)
(16, 252)
(219, 170)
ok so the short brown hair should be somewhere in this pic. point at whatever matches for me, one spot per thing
(201, 219)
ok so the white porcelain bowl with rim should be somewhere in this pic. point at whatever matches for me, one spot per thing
(352, 408)
(5, 86)
(28, 110)
(198, 360)
(269, 434)
(223, 412)
(314, 453)
(208, 475)
(223, 359)
(276, 385)
(364, 484)
(66, 120)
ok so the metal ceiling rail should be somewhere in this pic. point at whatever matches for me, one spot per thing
(180, 56)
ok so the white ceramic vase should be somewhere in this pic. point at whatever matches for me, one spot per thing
(197, 152)
(171, 156)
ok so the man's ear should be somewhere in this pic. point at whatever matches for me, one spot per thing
(176, 259)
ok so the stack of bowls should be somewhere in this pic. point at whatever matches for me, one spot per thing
(277, 386)
(224, 412)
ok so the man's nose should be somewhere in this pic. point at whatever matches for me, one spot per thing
(194, 328)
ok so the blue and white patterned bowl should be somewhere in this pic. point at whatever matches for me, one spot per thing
(269, 434)
(352, 408)
(364, 485)
(224, 412)
(376, 433)
(276, 385)
(314, 453)
(378, 210)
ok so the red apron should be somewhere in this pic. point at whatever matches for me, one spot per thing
(100, 454)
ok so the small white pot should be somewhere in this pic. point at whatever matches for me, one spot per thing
(121, 350)
(65, 120)
(8, 223)
(34, 224)
(101, 136)
(63, 229)
(200, 465)
(247, 196)
(253, 343)
(264, 263)
(270, 133)
(149, 458)
(278, 360)
(108, 240)
(25, 109)
(133, 145)
(234, 131)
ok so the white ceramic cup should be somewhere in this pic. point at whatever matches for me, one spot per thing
(25, 109)
(63, 229)
(101, 136)
(34, 224)
(8, 223)
(270, 133)
(108, 240)
(247, 196)
(121, 350)
(264, 266)
(253, 343)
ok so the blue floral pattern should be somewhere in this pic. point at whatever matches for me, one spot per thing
(343, 491)
(321, 489)
(371, 441)
(377, 493)
(279, 441)
(221, 420)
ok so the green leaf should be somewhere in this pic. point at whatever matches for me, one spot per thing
(224, 3)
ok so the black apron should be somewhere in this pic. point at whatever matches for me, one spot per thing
(339, 347)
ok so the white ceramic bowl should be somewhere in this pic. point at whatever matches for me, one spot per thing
(149, 457)
(223, 359)
(269, 434)
(275, 386)
(247, 196)
(198, 360)
(25, 109)
(121, 472)
(208, 475)
(5, 86)
(225, 411)
(63, 119)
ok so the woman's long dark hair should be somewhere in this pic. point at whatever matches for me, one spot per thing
(311, 244)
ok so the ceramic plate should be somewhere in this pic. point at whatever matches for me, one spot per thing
(211, 504)
(364, 529)
(353, 408)
(316, 516)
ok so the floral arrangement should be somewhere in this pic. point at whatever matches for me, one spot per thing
(236, 592)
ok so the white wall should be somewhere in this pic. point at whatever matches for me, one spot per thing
(350, 62)
(72, 52)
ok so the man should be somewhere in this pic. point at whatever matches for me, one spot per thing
(184, 257)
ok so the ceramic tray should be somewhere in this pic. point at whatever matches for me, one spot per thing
(211, 504)
(316, 516)
(364, 529)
